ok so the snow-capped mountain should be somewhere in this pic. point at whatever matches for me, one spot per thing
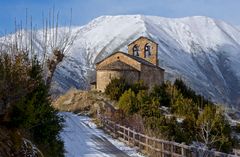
(204, 52)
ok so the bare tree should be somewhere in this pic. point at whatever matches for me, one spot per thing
(211, 126)
(50, 44)
(56, 41)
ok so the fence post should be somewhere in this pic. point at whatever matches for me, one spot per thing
(124, 134)
(162, 148)
(171, 149)
(146, 141)
(128, 135)
(133, 137)
(182, 152)
(154, 145)
(114, 128)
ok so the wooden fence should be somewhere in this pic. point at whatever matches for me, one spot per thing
(156, 147)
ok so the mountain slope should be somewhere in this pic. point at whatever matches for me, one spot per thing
(202, 51)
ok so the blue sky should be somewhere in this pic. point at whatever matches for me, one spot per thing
(85, 10)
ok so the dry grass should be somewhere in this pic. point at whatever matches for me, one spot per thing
(84, 101)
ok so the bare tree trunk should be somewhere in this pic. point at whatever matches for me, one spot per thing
(52, 65)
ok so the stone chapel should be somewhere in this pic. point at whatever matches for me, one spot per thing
(140, 63)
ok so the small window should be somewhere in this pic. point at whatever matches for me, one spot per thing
(147, 51)
(135, 50)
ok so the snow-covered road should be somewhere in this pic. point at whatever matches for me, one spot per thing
(82, 139)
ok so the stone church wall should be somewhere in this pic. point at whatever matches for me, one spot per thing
(151, 76)
(104, 77)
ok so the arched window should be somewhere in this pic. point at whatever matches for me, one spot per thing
(147, 50)
(135, 50)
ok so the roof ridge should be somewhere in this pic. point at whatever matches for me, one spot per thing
(148, 38)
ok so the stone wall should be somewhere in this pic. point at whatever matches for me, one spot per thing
(141, 42)
(151, 76)
(104, 77)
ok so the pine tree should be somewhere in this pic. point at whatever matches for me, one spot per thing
(26, 96)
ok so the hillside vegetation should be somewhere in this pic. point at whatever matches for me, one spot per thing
(173, 112)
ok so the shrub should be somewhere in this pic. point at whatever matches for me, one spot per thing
(187, 92)
(128, 102)
(138, 86)
(184, 106)
(116, 88)
(188, 129)
(160, 94)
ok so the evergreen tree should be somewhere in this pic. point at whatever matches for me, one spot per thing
(128, 102)
(184, 106)
(116, 88)
(161, 94)
(187, 92)
(29, 109)
(188, 129)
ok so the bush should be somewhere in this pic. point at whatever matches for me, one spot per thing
(184, 107)
(128, 102)
(138, 86)
(160, 94)
(187, 92)
(188, 130)
(116, 88)
(150, 109)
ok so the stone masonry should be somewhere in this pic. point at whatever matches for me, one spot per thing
(131, 67)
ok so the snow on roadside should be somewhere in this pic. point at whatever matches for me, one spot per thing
(82, 138)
